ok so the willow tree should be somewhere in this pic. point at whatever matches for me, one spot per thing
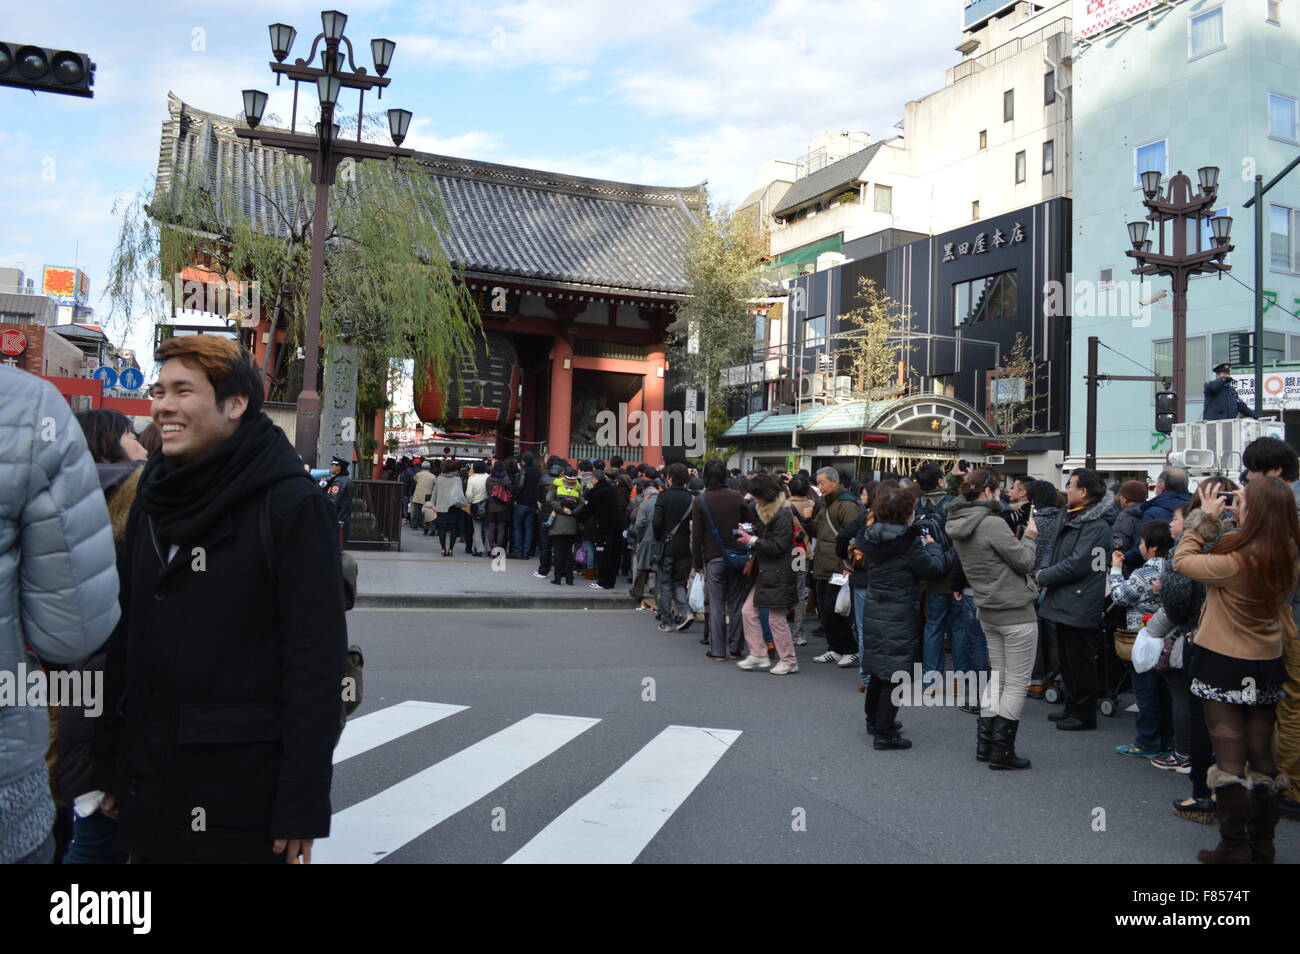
(389, 289)
(715, 325)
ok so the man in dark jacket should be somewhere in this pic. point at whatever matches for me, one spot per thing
(1128, 512)
(223, 679)
(945, 617)
(1074, 582)
(832, 513)
(338, 488)
(524, 538)
(1221, 401)
(672, 510)
(717, 514)
(602, 510)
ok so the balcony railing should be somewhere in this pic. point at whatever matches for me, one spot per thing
(1007, 50)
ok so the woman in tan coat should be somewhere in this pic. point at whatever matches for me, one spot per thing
(1238, 671)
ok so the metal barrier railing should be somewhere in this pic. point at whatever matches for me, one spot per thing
(376, 514)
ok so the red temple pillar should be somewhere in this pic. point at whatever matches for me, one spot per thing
(653, 404)
(376, 470)
(557, 437)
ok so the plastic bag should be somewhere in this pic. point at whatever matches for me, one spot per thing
(695, 598)
(1146, 651)
(844, 601)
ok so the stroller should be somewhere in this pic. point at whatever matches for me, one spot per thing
(1114, 677)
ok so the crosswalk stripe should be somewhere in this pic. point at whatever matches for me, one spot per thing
(378, 826)
(614, 822)
(377, 728)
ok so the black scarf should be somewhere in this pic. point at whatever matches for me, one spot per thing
(184, 500)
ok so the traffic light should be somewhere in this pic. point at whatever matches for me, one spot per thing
(1166, 411)
(46, 70)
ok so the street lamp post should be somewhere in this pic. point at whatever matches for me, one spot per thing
(324, 150)
(1257, 200)
(1182, 207)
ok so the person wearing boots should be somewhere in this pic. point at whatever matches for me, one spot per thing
(1238, 671)
(898, 556)
(996, 565)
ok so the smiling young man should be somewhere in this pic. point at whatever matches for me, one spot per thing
(223, 678)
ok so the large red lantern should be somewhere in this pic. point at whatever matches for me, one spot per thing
(482, 390)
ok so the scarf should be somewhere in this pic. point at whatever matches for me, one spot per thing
(185, 500)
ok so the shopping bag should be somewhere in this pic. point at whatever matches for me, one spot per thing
(1146, 651)
(696, 595)
(844, 601)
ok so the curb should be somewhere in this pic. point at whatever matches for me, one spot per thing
(479, 601)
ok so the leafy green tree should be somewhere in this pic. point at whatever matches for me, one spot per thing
(874, 343)
(715, 326)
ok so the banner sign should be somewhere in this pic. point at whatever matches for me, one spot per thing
(1094, 16)
(1281, 390)
(67, 286)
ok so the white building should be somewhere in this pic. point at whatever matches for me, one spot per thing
(994, 139)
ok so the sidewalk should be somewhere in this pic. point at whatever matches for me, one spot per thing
(421, 577)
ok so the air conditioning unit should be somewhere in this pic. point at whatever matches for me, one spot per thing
(995, 460)
(1225, 440)
(841, 387)
(812, 386)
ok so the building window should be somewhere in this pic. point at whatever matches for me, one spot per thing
(1273, 12)
(1281, 238)
(1049, 157)
(984, 138)
(1049, 88)
(1282, 117)
(944, 384)
(1205, 33)
(760, 329)
(1008, 105)
(884, 199)
(1235, 347)
(1020, 166)
(1154, 155)
(975, 209)
(984, 299)
(1198, 369)
(814, 332)
(1106, 279)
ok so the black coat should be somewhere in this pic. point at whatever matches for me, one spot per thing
(670, 507)
(776, 585)
(603, 510)
(1074, 580)
(891, 627)
(223, 686)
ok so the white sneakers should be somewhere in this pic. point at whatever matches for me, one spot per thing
(830, 656)
(782, 669)
(754, 662)
(846, 661)
(800, 641)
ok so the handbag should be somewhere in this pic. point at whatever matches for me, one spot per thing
(733, 560)
(657, 546)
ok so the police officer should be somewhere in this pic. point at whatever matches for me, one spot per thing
(338, 487)
(1221, 401)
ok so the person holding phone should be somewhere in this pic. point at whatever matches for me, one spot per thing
(1238, 671)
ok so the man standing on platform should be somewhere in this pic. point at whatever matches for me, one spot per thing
(1221, 401)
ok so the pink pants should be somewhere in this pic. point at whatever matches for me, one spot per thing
(754, 631)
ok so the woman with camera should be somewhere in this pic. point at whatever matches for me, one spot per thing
(1238, 671)
(997, 565)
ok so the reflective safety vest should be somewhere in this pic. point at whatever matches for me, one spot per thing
(562, 490)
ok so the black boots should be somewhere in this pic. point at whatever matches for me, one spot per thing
(983, 738)
(1003, 755)
(1232, 809)
(1265, 809)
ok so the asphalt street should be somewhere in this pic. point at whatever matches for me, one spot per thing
(487, 774)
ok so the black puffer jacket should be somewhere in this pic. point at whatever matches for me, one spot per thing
(896, 559)
(1048, 520)
(775, 576)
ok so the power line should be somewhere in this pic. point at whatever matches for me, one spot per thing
(1127, 358)
(1252, 291)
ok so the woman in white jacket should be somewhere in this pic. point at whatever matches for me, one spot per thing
(476, 494)
(448, 503)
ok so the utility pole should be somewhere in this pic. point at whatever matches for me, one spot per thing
(1093, 379)
(1257, 200)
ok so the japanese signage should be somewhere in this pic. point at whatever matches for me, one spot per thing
(982, 242)
(12, 342)
(754, 373)
(338, 425)
(1281, 390)
(496, 302)
(1094, 16)
(67, 286)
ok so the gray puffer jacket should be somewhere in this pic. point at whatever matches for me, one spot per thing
(1074, 579)
(58, 576)
(994, 561)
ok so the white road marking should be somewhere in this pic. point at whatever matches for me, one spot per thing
(614, 822)
(377, 728)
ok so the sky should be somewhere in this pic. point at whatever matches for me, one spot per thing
(671, 93)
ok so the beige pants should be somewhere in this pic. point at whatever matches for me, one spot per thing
(1011, 659)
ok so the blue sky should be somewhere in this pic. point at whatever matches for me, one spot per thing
(672, 92)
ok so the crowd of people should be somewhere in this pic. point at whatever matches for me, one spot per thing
(1036, 592)
(115, 548)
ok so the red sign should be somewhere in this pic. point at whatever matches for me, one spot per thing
(12, 342)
